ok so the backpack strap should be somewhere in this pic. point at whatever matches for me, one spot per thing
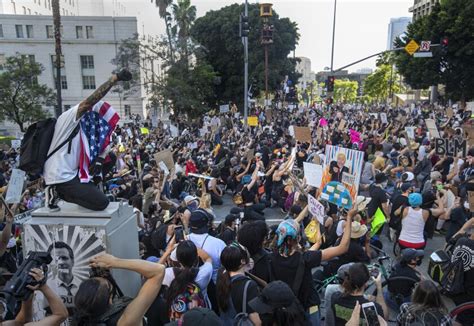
(244, 300)
(68, 140)
(298, 276)
(207, 236)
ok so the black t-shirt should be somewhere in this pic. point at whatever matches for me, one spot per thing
(397, 202)
(355, 254)
(457, 218)
(403, 287)
(378, 196)
(248, 196)
(464, 250)
(284, 269)
(343, 305)
(262, 266)
(237, 293)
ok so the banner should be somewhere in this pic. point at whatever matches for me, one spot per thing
(313, 174)
(316, 209)
(341, 176)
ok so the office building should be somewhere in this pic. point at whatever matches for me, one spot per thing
(303, 66)
(89, 44)
(38, 7)
(396, 27)
(422, 8)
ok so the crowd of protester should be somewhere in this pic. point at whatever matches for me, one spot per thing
(246, 271)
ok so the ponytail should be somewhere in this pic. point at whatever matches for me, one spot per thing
(223, 289)
(183, 276)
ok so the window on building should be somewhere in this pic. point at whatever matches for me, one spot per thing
(88, 82)
(24, 10)
(49, 4)
(128, 110)
(79, 33)
(49, 31)
(29, 11)
(89, 32)
(19, 31)
(3, 61)
(87, 62)
(29, 31)
(64, 13)
(1, 30)
(32, 58)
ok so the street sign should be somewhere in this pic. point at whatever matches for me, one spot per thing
(423, 54)
(412, 47)
(425, 46)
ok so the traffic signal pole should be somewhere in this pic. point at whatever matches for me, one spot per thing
(245, 39)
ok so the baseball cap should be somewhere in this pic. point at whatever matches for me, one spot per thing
(198, 222)
(435, 176)
(276, 294)
(408, 176)
(287, 228)
(411, 254)
(189, 198)
(198, 317)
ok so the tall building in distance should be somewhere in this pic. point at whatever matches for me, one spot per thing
(304, 68)
(422, 8)
(38, 7)
(396, 27)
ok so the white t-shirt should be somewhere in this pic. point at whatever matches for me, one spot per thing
(213, 247)
(63, 166)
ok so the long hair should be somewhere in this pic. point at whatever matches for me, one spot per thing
(357, 276)
(186, 252)
(92, 299)
(293, 315)
(426, 296)
(231, 261)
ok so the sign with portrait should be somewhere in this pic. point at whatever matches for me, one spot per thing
(341, 176)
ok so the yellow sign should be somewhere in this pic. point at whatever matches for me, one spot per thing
(412, 47)
(144, 131)
(252, 121)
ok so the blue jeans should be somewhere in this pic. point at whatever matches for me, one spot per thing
(314, 319)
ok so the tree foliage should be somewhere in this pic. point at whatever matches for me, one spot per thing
(345, 91)
(218, 33)
(377, 85)
(454, 67)
(22, 98)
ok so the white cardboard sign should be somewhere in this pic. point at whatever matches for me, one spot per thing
(313, 174)
(15, 186)
(316, 209)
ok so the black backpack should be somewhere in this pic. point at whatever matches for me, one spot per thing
(35, 145)
(452, 282)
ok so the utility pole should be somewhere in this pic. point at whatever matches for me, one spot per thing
(267, 37)
(57, 37)
(333, 35)
(244, 31)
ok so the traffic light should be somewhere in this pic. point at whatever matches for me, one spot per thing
(444, 45)
(330, 83)
(267, 34)
(244, 26)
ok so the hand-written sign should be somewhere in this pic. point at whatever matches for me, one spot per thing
(15, 186)
(431, 125)
(316, 209)
(302, 134)
(444, 146)
(313, 174)
(166, 157)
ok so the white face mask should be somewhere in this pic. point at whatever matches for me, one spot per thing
(466, 205)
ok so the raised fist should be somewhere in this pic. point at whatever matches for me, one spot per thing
(124, 75)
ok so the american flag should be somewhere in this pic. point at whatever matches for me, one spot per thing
(97, 126)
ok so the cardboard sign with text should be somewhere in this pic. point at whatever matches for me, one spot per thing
(450, 113)
(313, 173)
(316, 209)
(15, 186)
(342, 124)
(166, 157)
(302, 134)
(444, 146)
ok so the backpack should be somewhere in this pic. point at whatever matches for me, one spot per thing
(113, 314)
(231, 317)
(191, 297)
(452, 282)
(35, 145)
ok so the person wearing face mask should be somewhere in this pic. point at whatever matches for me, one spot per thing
(233, 284)
(458, 216)
(379, 196)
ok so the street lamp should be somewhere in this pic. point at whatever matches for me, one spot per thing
(267, 37)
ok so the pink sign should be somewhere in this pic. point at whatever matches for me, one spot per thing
(323, 122)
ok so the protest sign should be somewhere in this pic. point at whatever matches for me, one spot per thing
(23, 217)
(468, 131)
(449, 113)
(166, 157)
(410, 132)
(129, 132)
(250, 154)
(173, 131)
(316, 209)
(383, 118)
(16, 143)
(313, 173)
(340, 160)
(163, 167)
(342, 124)
(431, 125)
(202, 176)
(15, 186)
(291, 131)
(252, 121)
(444, 146)
(144, 131)
(302, 134)
(224, 108)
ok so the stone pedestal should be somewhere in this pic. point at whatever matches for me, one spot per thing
(78, 234)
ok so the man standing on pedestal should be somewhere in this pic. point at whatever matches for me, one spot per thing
(66, 172)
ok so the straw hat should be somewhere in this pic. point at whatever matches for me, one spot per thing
(362, 202)
(358, 230)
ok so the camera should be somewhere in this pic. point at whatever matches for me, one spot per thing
(15, 290)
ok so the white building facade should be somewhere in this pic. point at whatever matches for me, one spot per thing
(88, 46)
(304, 68)
(396, 27)
(38, 7)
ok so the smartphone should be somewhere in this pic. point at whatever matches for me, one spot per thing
(179, 233)
(374, 272)
(370, 314)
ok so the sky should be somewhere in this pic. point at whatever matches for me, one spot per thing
(361, 26)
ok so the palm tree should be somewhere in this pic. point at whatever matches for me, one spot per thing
(184, 15)
(57, 38)
(165, 15)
